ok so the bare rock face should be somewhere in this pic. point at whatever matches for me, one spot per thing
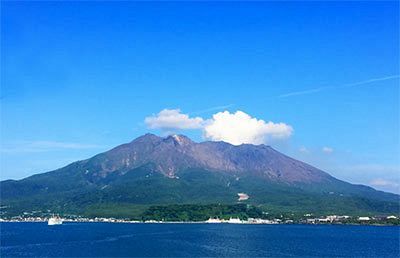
(177, 153)
(152, 170)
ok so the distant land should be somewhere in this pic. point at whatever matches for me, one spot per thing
(153, 175)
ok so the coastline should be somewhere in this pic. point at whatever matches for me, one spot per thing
(198, 222)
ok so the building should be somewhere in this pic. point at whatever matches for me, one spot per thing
(234, 221)
(212, 220)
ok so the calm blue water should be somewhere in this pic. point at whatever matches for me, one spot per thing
(189, 240)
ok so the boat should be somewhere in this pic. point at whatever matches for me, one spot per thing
(55, 220)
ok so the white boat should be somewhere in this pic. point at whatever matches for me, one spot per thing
(54, 221)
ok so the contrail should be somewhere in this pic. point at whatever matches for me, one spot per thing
(211, 109)
(315, 90)
(372, 80)
(304, 92)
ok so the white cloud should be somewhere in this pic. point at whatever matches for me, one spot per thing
(378, 168)
(383, 182)
(239, 127)
(327, 150)
(304, 150)
(235, 128)
(173, 119)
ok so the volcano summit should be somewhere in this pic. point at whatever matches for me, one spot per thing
(153, 170)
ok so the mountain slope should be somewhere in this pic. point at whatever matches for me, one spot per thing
(175, 170)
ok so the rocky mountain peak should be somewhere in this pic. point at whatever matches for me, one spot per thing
(179, 139)
(148, 137)
(177, 153)
(174, 169)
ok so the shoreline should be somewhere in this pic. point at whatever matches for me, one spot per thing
(204, 222)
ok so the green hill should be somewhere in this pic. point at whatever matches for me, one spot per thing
(131, 179)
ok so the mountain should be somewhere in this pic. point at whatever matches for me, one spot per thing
(152, 170)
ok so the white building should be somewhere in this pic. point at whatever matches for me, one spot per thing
(234, 221)
(212, 220)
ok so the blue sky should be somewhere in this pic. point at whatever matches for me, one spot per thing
(78, 78)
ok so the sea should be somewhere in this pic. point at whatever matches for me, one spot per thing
(196, 240)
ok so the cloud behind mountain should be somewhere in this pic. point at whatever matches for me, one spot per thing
(235, 128)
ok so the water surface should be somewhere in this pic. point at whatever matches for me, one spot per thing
(195, 240)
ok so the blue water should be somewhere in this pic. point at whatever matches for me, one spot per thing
(190, 240)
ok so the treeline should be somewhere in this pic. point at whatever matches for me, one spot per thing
(189, 212)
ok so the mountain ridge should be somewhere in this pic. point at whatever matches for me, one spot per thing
(220, 156)
(174, 170)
